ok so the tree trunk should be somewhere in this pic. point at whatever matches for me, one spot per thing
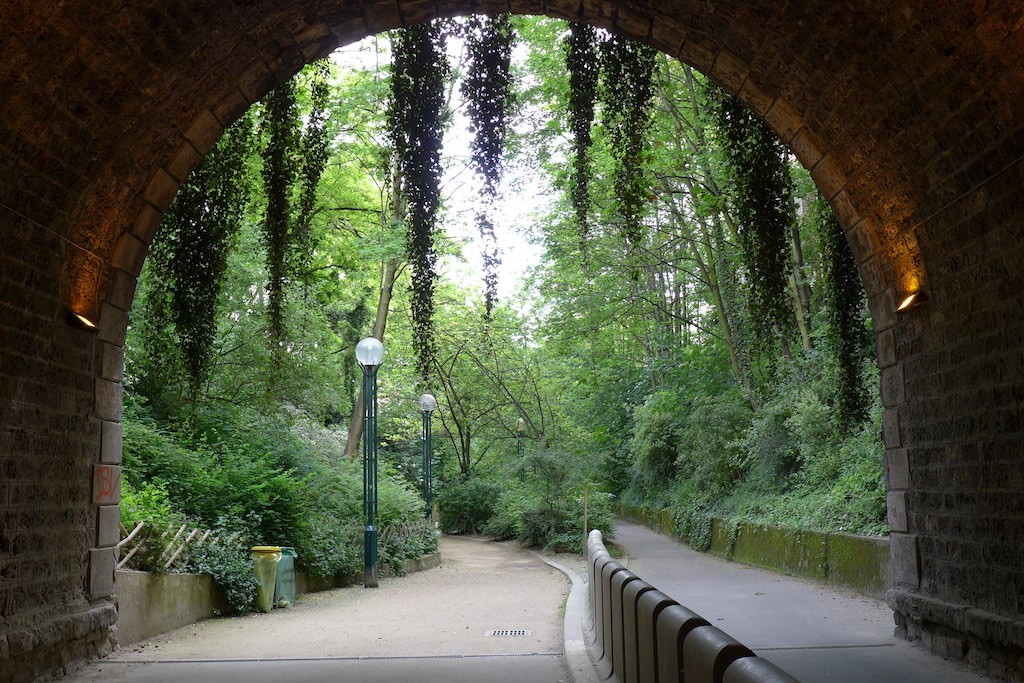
(801, 291)
(387, 286)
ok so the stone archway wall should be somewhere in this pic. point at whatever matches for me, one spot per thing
(909, 115)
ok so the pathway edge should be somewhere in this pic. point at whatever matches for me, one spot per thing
(577, 658)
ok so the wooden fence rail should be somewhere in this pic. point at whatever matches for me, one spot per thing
(175, 549)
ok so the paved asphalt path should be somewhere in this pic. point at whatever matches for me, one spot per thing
(815, 633)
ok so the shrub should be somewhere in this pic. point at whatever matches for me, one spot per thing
(273, 481)
(655, 441)
(561, 528)
(505, 524)
(709, 451)
(466, 505)
(693, 508)
(148, 503)
(228, 560)
(770, 447)
(406, 541)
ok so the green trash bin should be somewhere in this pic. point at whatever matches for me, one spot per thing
(264, 559)
(284, 590)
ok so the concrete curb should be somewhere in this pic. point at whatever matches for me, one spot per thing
(577, 658)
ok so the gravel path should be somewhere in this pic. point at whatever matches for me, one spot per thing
(443, 613)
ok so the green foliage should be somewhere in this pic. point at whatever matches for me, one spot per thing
(487, 87)
(406, 541)
(581, 61)
(215, 480)
(294, 158)
(627, 73)
(763, 198)
(149, 503)
(656, 439)
(693, 507)
(280, 170)
(260, 480)
(190, 255)
(548, 500)
(709, 452)
(416, 115)
(229, 561)
(466, 505)
(847, 333)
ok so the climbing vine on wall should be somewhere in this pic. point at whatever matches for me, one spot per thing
(581, 61)
(762, 193)
(627, 72)
(416, 116)
(189, 257)
(487, 88)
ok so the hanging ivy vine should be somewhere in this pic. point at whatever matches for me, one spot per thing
(416, 115)
(762, 193)
(280, 170)
(581, 61)
(627, 77)
(314, 159)
(293, 162)
(487, 89)
(189, 256)
(847, 334)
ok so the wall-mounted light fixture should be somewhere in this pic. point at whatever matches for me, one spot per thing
(82, 322)
(911, 300)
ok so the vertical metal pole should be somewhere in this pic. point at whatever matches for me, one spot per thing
(426, 464)
(370, 573)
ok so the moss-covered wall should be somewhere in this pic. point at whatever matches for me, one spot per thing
(859, 563)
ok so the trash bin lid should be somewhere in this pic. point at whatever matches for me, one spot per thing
(266, 549)
(288, 552)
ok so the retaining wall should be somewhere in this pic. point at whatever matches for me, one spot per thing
(150, 604)
(858, 563)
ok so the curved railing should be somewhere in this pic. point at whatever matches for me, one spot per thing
(637, 634)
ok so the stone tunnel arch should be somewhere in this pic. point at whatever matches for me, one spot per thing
(909, 117)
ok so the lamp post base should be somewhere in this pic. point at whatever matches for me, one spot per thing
(371, 577)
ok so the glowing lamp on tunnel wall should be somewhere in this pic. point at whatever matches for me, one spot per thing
(82, 322)
(912, 299)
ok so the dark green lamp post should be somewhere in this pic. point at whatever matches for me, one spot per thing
(370, 354)
(520, 433)
(427, 406)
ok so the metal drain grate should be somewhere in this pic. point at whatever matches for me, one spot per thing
(508, 633)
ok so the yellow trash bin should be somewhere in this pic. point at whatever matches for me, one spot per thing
(264, 558)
